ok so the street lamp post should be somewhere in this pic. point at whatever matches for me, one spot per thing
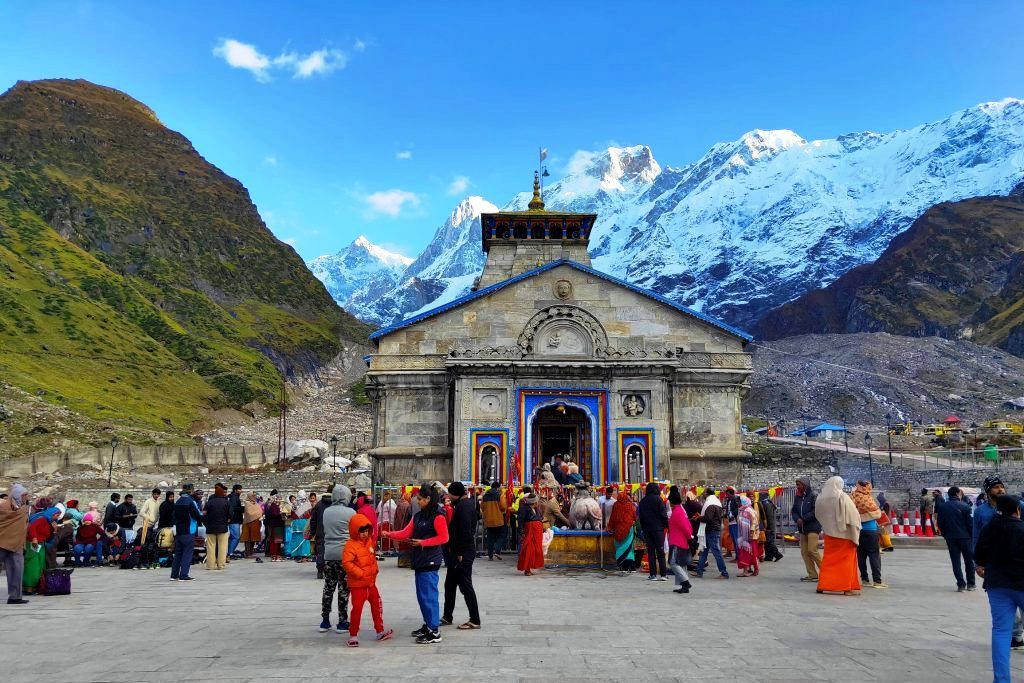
(871, 464)
(110, 468)
(888, 433)
(805, 428)
(334, 448)
(846, 441)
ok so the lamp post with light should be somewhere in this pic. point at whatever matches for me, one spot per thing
(110, 468)
(871, 464)
(846, 441)
(888, 433)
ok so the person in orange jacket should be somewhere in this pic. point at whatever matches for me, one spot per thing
(359, 560)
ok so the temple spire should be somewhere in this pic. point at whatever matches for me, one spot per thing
(536, 204)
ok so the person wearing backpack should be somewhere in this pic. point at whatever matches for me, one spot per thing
(359, 560)
(426, 533)
(461, 553)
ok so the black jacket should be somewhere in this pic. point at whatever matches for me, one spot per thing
(954, 519)
(125, 514)
(767, 511)
(1000, 551)
(316, 520)
(166, 518)
(237, 509)
(217, 515)
(462, 528)
(109, 512)
(653, 518)
(712, 519)
(803, 508)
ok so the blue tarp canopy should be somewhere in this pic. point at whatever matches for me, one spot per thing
(823, 427)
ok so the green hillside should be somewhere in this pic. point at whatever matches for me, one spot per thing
(138, 284)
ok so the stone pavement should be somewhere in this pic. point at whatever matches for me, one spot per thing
(258, 622)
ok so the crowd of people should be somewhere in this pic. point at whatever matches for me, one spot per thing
(435, 527)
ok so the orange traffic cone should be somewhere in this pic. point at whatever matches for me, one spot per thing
(897, 529)
(928, 531)
(915, 521)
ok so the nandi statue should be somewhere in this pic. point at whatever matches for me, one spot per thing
(585, 509)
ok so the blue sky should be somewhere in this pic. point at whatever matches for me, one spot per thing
(376, 118)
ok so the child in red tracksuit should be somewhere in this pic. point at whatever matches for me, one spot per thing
(359, 560)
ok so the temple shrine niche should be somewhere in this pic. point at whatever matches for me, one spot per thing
(548, 357)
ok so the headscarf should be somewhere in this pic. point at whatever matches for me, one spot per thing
(747, 521)
(94, 506)
(835, 510)
(623, 516)
(866, 505)
(252, 511)
(17, 491)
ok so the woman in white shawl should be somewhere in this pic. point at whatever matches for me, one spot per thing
(840, 524)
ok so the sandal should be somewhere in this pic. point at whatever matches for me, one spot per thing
(468, 626)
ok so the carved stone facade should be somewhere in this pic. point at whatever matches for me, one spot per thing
(558, 360)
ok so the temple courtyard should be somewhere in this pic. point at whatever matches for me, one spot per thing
(258, 622)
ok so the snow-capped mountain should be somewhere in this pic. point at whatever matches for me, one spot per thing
(359, 272)
(753, 223)
(444, 270)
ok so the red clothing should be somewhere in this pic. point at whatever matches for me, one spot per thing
(440, 531)
(88, 534)
(531, 555)
(360, 596)
(41, 530)
(680, 531)
(366, 510)
(359, 559)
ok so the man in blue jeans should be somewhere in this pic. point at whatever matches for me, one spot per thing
(711, 516)
(985, 512)
(1000, 558)
(237, 511)
(186, 523)
(954, 521)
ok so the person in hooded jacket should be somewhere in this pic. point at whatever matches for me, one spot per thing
(461, 553)
(336, 519)
(654, 522)
(808, 527)
(315, 531)
(237, 514)
(359, 562)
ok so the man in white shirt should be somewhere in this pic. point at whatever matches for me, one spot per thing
(606, 502)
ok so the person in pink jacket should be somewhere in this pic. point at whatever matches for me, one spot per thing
(679, 534)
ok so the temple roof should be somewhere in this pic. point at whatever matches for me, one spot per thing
(472, 296)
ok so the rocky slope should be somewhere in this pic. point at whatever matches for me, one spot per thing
(865, 375)
(138, 284)
(958, 272)
(755, 222)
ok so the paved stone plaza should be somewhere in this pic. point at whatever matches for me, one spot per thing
(257, 622)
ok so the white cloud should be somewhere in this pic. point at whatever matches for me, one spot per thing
(290, 241)
(458, 186)
(270, 160)
(244, 56)
(404, 155)
(390, 202)
(320, 62)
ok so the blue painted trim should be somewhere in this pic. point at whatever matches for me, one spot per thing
(652, 446)
(506, 466)
(366, 359)
(549, 266)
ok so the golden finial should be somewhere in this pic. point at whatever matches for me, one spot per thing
(536, 204)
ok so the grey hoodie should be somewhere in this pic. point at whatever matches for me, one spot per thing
(336, 519)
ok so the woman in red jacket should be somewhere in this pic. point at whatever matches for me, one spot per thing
(88, 541)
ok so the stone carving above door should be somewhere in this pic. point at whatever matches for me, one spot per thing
(563, 331)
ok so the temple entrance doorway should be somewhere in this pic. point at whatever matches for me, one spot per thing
(563, 430)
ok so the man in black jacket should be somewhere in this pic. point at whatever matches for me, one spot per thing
(315, 530)
(654, 522)
(808, 526)
(124, 517)
(216, 517)
(955, 523)
(999, 554)
(767, 510)
(108, 511)
(462, 552)
(235, 525)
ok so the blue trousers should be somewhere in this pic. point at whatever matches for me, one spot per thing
(83, 551)
(1004, 603)
(734, 531)
(234, 533)
(430, 608)
(961, 547)
(183, 546)
(712, 542)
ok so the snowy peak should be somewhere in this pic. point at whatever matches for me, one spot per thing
(388, 258)
(752, 224)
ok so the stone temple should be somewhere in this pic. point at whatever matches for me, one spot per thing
(548, 356)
